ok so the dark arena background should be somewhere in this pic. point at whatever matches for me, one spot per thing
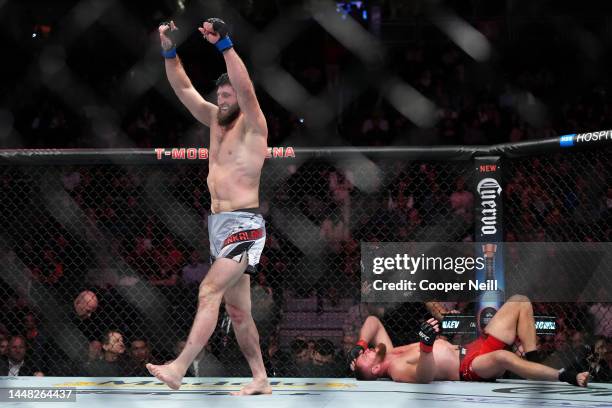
(383, 119)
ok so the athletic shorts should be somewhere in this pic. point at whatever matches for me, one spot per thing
(483, 345)
(235, 233)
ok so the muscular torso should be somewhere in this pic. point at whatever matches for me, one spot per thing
(446, 356)
(236, 157)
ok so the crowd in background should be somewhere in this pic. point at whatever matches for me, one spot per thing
(529, 88)
(119, 272)
(105, 232)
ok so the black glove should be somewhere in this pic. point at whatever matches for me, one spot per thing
(356, 350)
(225, 42)
(569, 376)
(427, 335)
(170, 33)
(219, 26)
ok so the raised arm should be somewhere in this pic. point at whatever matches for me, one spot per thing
(373, 332)
(215, 31)
(201, 109)
(438, 310)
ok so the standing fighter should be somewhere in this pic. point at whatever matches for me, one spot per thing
(238, 147)
(485, 359)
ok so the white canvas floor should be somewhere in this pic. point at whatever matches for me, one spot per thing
(311, 393)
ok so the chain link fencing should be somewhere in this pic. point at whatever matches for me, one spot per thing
(565, 198)
(93, 248)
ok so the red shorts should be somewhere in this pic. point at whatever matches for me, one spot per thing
(483, 345)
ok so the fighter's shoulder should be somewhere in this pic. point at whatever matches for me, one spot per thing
(254, 134)
(255, 123)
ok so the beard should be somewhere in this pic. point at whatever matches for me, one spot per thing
(228, 117)
(381, 352)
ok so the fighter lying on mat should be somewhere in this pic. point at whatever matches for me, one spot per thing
(484, 359)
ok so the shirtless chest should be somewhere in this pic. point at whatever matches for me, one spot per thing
(446, 356)
(236, 158)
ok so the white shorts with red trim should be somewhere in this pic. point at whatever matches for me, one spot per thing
(236, 233)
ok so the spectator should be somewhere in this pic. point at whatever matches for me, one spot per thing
(94, 354)
(112, 363)
(276, 359)
(598, 366)
(263, 283)
(324, 352)
(85, 304)
(144, 258)
(40, 347)
(375, 129)
(140, 355)
(325, 363)
(462, 201)
(602, 313)
(195, 271)
(348, 342)
(51, 271)
(560, 357)
(205, 363)
(300, 359)
(16, 364)
(3, 347)
(311, 347)
(94, 351)
(170, 259)
(85, 318)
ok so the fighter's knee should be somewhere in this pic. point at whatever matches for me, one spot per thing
(519, 298)
(372, 318)
(236, 314)
(503, 358)
(208, 292)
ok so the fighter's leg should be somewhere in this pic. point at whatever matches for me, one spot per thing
(238, 306)
(514, 318)
(223, 274)
(493, 365)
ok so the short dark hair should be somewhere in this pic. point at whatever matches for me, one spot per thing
(297, 346)
(325, 347)
(223, 80)
(106, 338)
(363, 375)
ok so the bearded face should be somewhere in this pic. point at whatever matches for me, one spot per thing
(368, 359)
(381, 351)
(227, 114)
(228, 105)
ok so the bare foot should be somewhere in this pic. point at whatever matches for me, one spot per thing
(583, 379)
(255, 387)
(166, 373)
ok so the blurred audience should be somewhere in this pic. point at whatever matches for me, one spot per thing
(16, 363)
(113, 362)
(599, 368)
(140, 355)
(194, 272)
